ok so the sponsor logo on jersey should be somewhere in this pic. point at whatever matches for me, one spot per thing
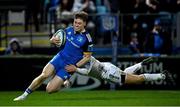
(69, 33)
(69, 39)
(79, 38)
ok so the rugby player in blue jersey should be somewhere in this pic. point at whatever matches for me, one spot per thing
(76, 51)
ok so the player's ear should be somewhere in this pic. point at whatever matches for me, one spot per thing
(85, 23)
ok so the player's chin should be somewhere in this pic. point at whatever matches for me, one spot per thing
(77, 29)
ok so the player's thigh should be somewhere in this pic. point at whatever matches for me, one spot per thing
(48, 70)
(55, 84)
(133, 79)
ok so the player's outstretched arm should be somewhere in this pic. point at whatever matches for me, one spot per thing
(73, 68)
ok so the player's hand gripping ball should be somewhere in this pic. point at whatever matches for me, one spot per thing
(61, 35)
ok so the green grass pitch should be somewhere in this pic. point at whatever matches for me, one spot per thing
(95, 98)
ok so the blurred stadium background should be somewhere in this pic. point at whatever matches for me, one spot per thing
(120, 30)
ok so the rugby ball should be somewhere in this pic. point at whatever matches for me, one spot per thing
(62, 37)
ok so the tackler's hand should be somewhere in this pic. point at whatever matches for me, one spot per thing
(70, 68)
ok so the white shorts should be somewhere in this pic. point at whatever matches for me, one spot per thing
(112, 73)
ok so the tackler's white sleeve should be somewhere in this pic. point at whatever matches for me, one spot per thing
(82, 71)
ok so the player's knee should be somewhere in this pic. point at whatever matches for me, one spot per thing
(50, 90)
(141, 77)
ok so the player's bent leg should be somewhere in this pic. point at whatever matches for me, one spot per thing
(133, 69)
(47, 72)
(134, 79)
(55, 84)
(154, 77)
(137, 79)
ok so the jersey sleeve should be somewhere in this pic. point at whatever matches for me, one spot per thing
(88, 47)
(68, 29)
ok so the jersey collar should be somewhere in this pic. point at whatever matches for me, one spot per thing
(82, 32)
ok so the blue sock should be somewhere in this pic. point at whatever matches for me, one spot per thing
(29, 91)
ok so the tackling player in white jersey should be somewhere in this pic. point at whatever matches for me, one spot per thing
(110, 72)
